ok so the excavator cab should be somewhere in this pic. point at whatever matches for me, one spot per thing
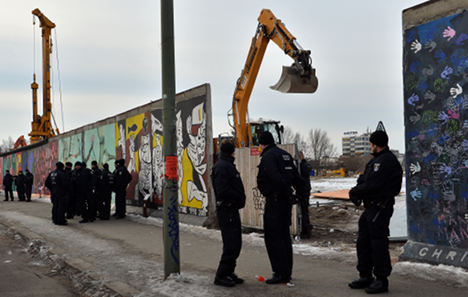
(258, 127)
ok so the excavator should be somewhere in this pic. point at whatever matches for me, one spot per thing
(41, 124)
(297, 78)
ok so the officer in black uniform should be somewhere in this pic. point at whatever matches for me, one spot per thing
(107, 182)
(305, 169)
(56, 183)
(83, 185)
(96, 190)
(74, 203)
(29, 184)
(20, 182)
(121, 179)
(377, 188)
(230, 197)
(69, 193)
(8, 185)
(277, 175)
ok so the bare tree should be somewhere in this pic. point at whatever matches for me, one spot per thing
(320, 144)
(7, 145)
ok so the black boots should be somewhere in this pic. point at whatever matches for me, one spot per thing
(276, 279)
(225, 281)
(370, 285)
(378, 286)
(361, 283)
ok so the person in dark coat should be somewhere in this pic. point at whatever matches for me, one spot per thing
(107, 182)
(8, 185)
(74, 203)
(377, 188)
(83, 189)
(70, 195)
(305, 169)
(96, 190)
(230, 197)
(121, 180)
(277, 176)
(29, 184)
(20, 182)
(56, 183)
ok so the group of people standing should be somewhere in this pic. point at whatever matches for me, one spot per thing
(23, 183)
(277, 177)
(87, 192)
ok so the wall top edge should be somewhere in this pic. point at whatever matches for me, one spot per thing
(431, 10)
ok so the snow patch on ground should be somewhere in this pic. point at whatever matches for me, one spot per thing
(452, 276)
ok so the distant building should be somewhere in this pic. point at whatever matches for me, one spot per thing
(355, 144)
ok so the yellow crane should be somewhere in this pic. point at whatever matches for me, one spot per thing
(41, 125)
(298, 78)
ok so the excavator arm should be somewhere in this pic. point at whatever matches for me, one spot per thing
(299, 78)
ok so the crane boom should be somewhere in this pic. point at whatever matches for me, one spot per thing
(41, 126)
(299, 78)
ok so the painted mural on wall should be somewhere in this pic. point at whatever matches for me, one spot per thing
(44, 161)
(92, 144)
(139, 140)
(436, 120)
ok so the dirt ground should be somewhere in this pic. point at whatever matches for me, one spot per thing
(337, 225)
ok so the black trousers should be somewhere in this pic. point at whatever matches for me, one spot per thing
(28, 192)
(8, 191)
(372, 243)
(104, 206)
(58, 209)
(21, 194)
(276, 222)
(84, 205)
(305, 220)
(231, 232)
(71, 205)
(120, 203)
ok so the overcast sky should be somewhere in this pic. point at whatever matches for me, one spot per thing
(109, 55)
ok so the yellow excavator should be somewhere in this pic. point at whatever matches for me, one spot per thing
(41, 126)
(297, 78)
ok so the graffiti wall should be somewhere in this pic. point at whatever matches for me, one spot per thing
(137, 137)
(436, 121)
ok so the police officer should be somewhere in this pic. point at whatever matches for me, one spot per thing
(305, 169)
(121, 180)
(83, 187)
(74, 203)
(70, 195)
(95, 189)
(377, 188)
(8, 185)
(277, 174)
(20, 182)
(107, 182)
(230, 197)
(29, 184)
(56, 183)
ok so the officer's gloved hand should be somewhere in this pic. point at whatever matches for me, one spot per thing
(354, 198)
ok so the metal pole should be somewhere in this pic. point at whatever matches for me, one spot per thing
(170, 190)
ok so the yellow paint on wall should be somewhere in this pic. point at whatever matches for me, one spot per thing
(187, 170)
(130, 122)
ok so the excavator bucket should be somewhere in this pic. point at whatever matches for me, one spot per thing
(292, 82)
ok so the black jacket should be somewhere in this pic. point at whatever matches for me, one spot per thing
(7, 180)
(20, 182)
(277, 174)
(305, 170)
(121, 178)
(381, 180)
(227, 183)
(55, 182)
(96, 179)
(29, 179)
(107, 181)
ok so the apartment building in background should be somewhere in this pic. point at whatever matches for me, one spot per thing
(354, 143)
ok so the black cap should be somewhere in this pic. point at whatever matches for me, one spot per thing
(77, 163)
(94, 163)
(105, 166)
(227, 148)
(121, 162)
(266, 138)
(69, 164)
(379, 138)
(59, 165)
